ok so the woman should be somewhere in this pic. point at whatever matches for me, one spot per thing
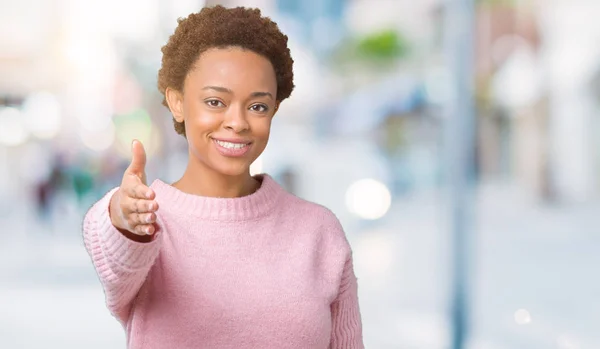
(221, 259)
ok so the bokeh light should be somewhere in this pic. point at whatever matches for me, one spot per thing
(99, 140)
(522, 317)
(12, 130)
(42, 115)
(368, 199)
(136, 125)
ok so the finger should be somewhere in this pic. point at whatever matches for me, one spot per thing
(140, 206)
(146, 229)
(150, 229)
(135, 219)
(138, 160)
(139, 230)
(140, 191)
(144, 218)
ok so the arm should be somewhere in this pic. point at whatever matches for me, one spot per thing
(122, 264)
(346, 329)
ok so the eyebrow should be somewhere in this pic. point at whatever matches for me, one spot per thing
(261, 94)
(218, 88)
(226, 90)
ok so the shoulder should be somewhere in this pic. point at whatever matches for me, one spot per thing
(314, 217)
(321, 236)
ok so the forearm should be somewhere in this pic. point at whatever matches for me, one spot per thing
(122, 264)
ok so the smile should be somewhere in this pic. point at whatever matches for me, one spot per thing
(230, 145)
(232, 149)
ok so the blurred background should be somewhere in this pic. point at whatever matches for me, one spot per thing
(373, 131)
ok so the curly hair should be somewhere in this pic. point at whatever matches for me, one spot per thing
(220, 27)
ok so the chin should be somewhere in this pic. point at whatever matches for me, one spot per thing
(232, 170)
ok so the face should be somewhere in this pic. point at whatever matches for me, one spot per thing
(227, 104)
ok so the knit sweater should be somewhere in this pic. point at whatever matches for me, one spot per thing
(267, 270)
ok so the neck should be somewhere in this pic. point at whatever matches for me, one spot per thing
(203, 181)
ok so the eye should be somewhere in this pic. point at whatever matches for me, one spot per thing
(214, 103)
(260, 108)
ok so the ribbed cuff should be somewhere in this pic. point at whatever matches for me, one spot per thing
(126, 253)
(345, 311)
(347, 325)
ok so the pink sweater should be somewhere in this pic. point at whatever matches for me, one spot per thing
(268, 270)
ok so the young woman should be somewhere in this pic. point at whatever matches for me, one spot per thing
(221, 259)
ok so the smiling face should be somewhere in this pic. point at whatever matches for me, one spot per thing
(227, 104)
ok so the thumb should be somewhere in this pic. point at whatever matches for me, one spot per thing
(138, 159)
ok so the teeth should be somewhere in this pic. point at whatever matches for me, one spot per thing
(231, 145)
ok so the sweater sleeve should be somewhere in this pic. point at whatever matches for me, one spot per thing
(122, 264)
(346, 330)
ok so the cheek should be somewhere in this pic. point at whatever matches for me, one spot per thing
(262, 129)
(198, 120)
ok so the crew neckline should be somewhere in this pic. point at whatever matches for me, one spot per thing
(247, 207)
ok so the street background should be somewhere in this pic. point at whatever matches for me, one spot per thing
(364, 133)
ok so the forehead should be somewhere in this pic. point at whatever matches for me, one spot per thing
(233, 68)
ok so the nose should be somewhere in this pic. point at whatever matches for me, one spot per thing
(235, 120)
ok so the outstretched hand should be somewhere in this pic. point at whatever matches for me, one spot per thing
(132, 207)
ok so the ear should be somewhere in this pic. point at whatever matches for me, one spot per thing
(276, 107)
(175, 101)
